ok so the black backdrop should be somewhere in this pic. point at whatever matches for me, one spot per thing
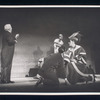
(47, 23)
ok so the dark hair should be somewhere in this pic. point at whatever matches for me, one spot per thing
(61, 49)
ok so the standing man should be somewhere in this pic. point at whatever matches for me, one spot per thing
(8, 46)
(58, 43)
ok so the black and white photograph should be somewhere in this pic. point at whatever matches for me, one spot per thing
(50, 49)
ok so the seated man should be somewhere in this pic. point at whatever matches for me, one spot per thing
(48, 71)
(75, 58)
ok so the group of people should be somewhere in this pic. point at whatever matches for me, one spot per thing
(68, 64)
(71, 64)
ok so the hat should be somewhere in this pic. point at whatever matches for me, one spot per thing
(75, 36)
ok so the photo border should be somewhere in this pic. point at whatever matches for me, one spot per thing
(50, 6)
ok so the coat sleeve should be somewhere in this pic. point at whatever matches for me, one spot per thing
(61, 69)
(81, 55)
(10, 39)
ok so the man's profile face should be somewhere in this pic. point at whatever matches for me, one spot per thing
(8, 27)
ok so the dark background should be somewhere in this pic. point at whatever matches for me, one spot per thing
(40, 26)
(95, 45)
(72, 97)
(50, 2)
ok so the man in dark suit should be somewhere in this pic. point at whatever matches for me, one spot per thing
(8, 45)
(52, 68)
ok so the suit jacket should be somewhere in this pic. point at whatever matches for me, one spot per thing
(8, 45)
(54, 61)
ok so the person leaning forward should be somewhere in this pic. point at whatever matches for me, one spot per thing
(49, 70)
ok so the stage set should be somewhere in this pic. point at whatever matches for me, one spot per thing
(26, 85)
(37, 29)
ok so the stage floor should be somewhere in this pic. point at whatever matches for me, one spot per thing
(26, 85)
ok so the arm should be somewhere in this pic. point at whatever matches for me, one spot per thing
(81, 57)
(10, 39)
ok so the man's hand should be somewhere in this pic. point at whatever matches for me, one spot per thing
(15, 41)
(17, 35)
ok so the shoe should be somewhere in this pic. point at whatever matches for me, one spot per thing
(10, 82)
(90, 78)
(3, 82)
(93, 78)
